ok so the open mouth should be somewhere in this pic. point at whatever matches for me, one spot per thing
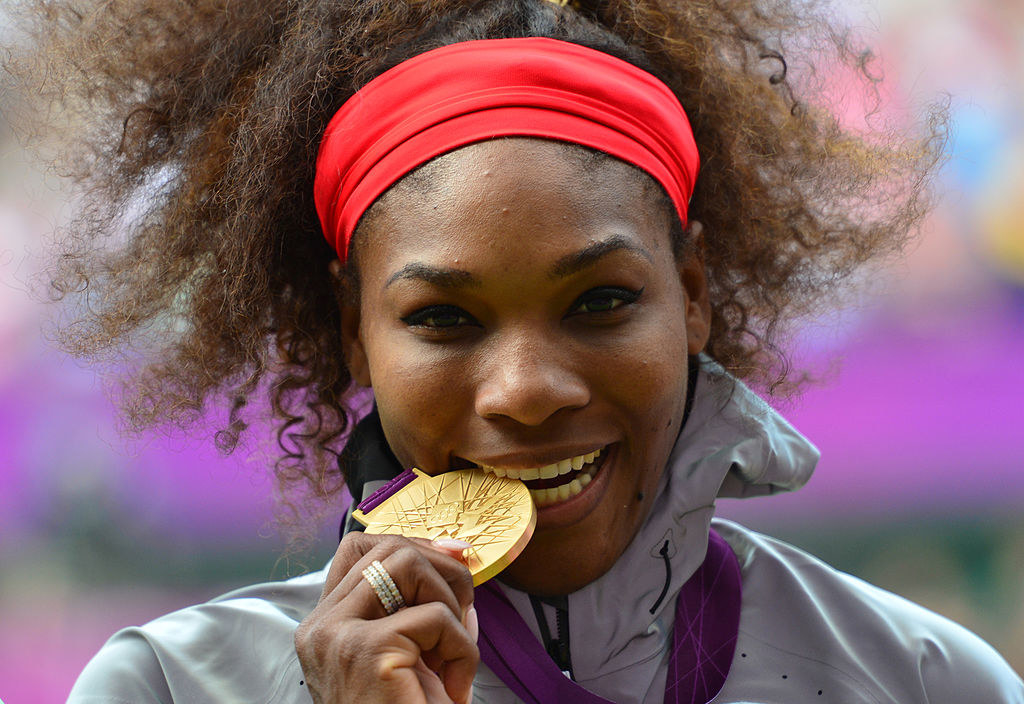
(556, 482)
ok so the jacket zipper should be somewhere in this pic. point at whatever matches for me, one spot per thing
(557, 647)
(564, 658)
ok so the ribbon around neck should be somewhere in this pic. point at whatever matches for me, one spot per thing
(703, 639)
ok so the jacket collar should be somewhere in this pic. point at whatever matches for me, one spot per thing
(732, 445)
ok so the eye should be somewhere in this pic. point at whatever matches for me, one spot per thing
(604, 299)
(439, 318)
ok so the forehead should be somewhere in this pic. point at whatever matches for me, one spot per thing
(527, 195)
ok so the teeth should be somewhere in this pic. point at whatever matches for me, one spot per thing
(546, 472)
(544, 497)
(556, 494)
(549, 472)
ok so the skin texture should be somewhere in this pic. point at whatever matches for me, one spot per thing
(352, 651)
(514, 308)
(487, 337)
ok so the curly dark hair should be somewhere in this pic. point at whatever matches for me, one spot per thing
(194, 126)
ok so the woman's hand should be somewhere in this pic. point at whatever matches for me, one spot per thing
(352, 651)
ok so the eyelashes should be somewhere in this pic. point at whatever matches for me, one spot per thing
(604, 299)
(597, 302)
(439, 318)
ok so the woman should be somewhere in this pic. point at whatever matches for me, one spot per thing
(555, 236)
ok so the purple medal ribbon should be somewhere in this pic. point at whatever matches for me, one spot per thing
(703, 636)
(378, 497)
(703, 639)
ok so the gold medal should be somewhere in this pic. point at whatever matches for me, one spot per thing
(495, 515)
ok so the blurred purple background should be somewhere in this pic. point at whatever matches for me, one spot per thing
(919, 415)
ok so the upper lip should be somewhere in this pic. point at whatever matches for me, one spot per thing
(529, 459)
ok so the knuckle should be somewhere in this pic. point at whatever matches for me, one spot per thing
(439, 611)
(355, 537)
(408, 557)
(381, 547)
(301, 638)
(385, 667)
(352, 546)
(357, 544)
(394, 540)
(310, 640)
(319, 641)
(392, 543)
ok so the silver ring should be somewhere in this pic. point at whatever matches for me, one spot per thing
(384, 587)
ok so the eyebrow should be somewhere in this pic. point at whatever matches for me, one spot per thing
(572, 263)
(449, 278)
(437, 276)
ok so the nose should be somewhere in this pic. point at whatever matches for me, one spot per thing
(528, 380)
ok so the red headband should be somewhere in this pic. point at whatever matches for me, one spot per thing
(478, 90)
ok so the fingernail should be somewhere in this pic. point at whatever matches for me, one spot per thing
(452, 544)
(472, 623)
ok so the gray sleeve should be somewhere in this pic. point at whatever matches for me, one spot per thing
(858, 640)
(126, 670)
(964, 668)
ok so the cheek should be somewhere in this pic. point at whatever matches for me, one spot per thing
(650, 383)
(648, 373)
(402, 367)
(417, 393)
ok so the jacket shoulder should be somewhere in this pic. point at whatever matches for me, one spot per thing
(798, 608)
(237, 647)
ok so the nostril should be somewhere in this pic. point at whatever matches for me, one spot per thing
(529, 381)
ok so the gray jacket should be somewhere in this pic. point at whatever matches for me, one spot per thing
(808, 633)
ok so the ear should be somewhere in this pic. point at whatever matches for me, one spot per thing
(695, 286)
(351, 330)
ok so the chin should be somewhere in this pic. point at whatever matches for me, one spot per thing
(583, 551)
(579, 564)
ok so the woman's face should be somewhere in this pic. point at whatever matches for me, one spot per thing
(522, 310)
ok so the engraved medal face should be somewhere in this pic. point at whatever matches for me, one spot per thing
(495, 515)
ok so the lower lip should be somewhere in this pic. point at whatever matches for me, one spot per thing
(575, 508)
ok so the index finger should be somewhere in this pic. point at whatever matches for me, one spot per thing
(357, 550)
